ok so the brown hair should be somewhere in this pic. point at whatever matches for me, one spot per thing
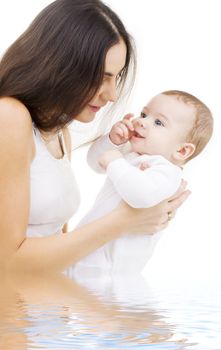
(56, 66)
(203, 126)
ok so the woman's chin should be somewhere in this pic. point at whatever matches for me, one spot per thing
(86, 117)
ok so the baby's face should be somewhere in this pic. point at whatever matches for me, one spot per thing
(163, 126)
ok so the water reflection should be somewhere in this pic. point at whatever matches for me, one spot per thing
(101, 312)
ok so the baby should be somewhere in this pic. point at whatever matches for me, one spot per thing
(143, 159)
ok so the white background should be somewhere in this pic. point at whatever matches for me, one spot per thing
(178, 46)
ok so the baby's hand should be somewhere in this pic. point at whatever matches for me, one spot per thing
(122, 131)
(108, 157)
(144, 166)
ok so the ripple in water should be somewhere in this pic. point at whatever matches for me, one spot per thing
(109, 313)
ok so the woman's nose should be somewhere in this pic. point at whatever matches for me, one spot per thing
(109, 93)
(112, 94)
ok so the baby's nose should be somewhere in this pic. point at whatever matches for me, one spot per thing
(141, 123)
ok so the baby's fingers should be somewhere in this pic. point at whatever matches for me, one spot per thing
(122, 130)
(128, 116)
(144, 166)
(127, 121)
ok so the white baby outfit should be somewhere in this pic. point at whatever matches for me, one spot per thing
(140, 189)
(54, 194)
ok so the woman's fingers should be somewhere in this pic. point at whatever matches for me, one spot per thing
(180, 190)
(155, 219)
(175, 203)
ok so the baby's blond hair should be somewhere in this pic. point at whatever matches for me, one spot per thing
(202, 129)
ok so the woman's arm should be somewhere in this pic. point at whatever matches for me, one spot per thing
(16, 152)
(17, 252)
(155, 219)
(57, 252)
(21, 254)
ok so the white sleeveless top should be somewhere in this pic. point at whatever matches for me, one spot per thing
(54, 194)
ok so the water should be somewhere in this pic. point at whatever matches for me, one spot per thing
(109, 313)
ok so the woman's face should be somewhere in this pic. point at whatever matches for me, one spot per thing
(114, 63)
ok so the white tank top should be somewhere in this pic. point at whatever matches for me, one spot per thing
(54, 194)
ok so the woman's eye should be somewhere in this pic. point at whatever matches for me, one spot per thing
(158, 122)
(143, 115)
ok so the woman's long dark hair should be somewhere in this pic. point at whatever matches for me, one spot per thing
(56, 66)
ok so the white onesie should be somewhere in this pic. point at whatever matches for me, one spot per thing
(140, 189)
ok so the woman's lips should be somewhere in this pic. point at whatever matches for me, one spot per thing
(95, 109)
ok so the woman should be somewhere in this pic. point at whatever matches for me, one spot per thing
(72, 60)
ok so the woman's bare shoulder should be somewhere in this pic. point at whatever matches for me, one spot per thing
(15, 125)
(12, 111)
(15, 119)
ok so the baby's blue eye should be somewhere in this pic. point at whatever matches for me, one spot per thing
(158, 122)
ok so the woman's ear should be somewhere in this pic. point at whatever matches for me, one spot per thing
(184, 152)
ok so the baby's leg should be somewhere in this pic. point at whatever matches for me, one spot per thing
(130, 253)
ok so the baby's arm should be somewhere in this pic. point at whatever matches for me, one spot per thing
(116, 139)
(144, 188)
(97, 149)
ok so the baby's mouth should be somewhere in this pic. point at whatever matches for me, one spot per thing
(136, 134)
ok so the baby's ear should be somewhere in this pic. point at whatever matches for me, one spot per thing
(184, 152)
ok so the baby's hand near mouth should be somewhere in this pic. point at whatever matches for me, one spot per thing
(122, 131)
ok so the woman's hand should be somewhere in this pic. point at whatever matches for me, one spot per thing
(154, 219)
